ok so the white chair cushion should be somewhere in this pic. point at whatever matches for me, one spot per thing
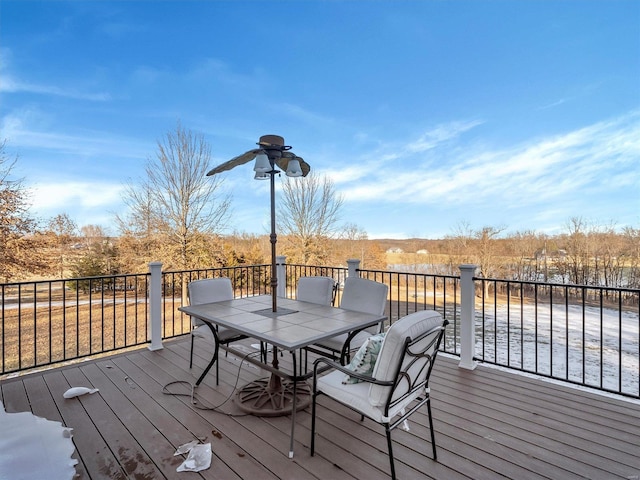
(202, 331)
(359, 295)
(386, 366)
(315, 290)
(364, 295)
(210, 290)
(355, 395)
(336, 343)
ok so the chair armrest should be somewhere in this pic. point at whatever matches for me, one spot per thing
(346, 348)
(330, 364)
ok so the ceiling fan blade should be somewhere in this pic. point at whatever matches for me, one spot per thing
(304, 166)
(235, 161)
(283, 162)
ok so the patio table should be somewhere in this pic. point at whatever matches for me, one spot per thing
(294, 326)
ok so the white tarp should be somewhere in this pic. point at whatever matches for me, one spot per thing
(34, 448)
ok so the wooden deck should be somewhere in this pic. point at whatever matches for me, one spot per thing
(490, 424)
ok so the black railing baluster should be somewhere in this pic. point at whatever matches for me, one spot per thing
(566, 333)
(602, 340)
(20, 327)
(620, 336)
(584, 335)
(35, 326)
(551, 332)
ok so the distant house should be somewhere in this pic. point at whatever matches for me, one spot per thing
(422, 251)
(395, 250)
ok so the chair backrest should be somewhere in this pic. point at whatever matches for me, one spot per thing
(406, 357)
(315, 290)
(209, 290)
(367, 296)
(362, 295)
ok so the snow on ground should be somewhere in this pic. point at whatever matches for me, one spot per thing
(593, 346)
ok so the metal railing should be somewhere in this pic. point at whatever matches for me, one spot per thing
(579, 334)
(583, 335)
(293, 272)
(410, 292)
(52, 321)
(246, 280)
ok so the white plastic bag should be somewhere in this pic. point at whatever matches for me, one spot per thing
(185, 448)
(77, 391)
(199, 458)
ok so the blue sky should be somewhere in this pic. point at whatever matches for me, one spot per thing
(425, 114)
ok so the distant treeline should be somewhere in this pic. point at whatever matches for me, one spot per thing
(594, 256)
(582, 256)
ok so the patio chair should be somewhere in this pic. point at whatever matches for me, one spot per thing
(210, 290)
(359, 295)
(316, 289)
(320, 290)
(398, 384)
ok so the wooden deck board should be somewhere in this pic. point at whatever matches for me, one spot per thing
(90, 444)
(43, 405)
(192, 423)
(557, 425)
(489, 423)
(259, 441)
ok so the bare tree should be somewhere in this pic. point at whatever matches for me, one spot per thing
(528, 256)
(353, 242)
(577, 248)
(63, 231)
(631, 237)
(176, 201)
(308, 216)
(478, 247)
(458, 245)
(485, 248)
(19, 253)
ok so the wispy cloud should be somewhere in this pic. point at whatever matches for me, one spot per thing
(301, 113)
(438, 135)
(88, 199)
(85, 194)
(391, 161)
(213, 69)
(29, 129)
(10, 85)
(523, 174)
(552, 104)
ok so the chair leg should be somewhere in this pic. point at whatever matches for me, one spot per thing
(191, 353)
(217, 372)
(433, 436)
(263, 352)
(313, 423)
(216, 354)
(390, 447)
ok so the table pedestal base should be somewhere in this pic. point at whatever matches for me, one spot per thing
(273, 397)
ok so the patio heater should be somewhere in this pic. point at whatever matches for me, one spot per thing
(270, 155)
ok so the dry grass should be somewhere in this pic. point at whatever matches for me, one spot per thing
(49, 332)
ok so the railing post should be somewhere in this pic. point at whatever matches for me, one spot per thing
(155, 305)
(281, 275)
(467, 317)
(353, 265)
